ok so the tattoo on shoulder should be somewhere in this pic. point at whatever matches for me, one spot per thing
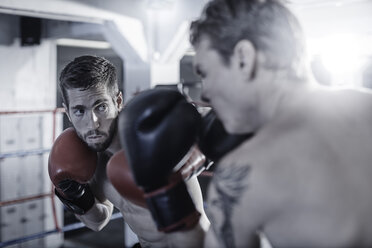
(229, 183)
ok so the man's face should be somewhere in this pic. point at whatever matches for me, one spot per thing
(93, 113)
(226, 88)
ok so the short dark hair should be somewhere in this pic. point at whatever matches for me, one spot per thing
(268, 24)
(87, 72)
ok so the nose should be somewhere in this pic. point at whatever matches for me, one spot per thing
(93, 122)
(204, 96)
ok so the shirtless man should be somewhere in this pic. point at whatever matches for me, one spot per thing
(79, 157)
(304, 179)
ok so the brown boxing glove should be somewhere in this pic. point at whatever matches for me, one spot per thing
(71, 165)
(121, 177)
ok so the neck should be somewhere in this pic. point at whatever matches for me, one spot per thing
(278, 90)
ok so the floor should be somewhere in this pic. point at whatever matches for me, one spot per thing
(112, 236)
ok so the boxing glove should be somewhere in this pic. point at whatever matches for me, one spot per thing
(157, 129)
(214, 141)
(71, 165)
(121, 177)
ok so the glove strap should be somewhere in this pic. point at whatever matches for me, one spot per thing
(172, 207)
(79, 205)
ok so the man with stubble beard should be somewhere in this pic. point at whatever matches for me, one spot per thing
(80, 157)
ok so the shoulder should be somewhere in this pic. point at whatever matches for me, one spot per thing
(344, 99)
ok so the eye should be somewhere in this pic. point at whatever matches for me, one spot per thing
(200, 73)
(102, 107)
(79, 112)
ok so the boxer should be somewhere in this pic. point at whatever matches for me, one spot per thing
(79, 157)
(304, 178)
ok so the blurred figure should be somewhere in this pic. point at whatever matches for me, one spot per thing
(321, 74)
(367, 75)
(304, 178)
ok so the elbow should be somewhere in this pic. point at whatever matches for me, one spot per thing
(96, 228)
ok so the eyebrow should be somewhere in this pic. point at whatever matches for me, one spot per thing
(78, 107)
(94, 104)
(99, 101)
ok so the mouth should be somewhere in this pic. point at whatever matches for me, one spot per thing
(95, 138)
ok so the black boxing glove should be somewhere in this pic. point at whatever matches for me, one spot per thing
(76, 197)
(157, 130)
(214, 141)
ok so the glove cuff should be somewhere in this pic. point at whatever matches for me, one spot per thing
(172, 207)
(79, 205)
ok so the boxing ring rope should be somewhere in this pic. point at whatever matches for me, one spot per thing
(23, 153)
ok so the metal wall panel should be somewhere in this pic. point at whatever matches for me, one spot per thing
(9, 179)
(22, 176)
(9, 130)
(10, 216)
(32, 222)
(30, 130)
(31, 177)
(10, 223)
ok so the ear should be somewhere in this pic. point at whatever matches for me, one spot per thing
(119, 101)
(246, 57)
(66, 111)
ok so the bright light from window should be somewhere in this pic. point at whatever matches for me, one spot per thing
(342, 56)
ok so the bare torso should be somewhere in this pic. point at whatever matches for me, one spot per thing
(138, 218)
(304, 179)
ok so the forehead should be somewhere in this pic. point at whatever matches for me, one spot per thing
(202, 48)
(205, 55)
(87, 97)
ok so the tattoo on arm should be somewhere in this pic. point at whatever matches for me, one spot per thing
(229, 183)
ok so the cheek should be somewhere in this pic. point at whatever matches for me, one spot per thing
(109, 117)
(80, 126)
(77, 122)
(106, 122)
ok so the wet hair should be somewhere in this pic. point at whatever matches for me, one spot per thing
(268, 24)
(86, 72)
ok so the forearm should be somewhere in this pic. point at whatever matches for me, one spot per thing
(98, 216)
(197, 197)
